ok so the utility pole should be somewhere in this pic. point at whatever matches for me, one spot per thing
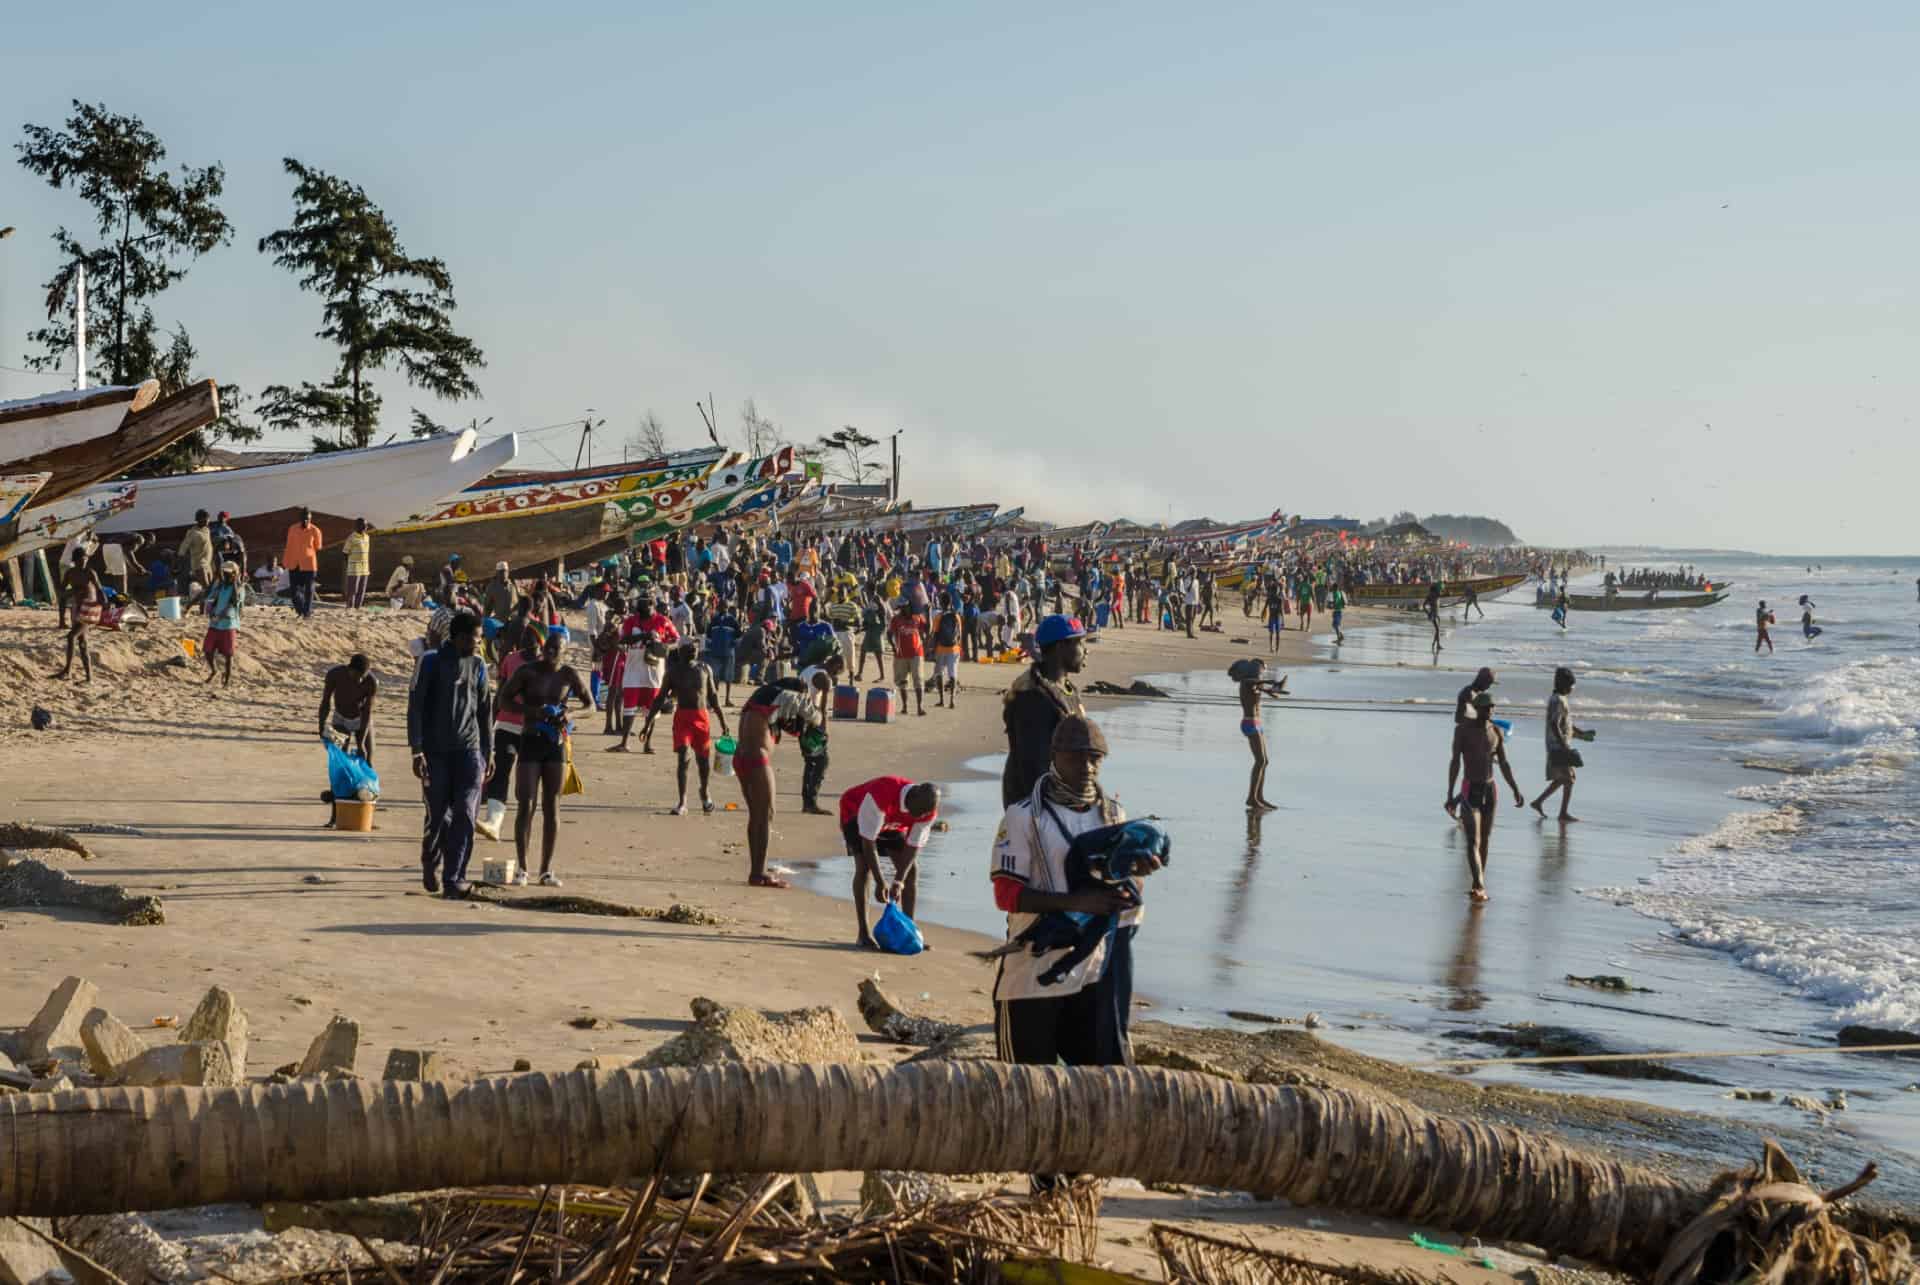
(893, 487)
(80, 328)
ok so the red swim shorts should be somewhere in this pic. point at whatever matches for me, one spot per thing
(638, 698)
(218, 642)
(692, 730)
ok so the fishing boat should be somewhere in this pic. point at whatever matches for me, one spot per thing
(76, 463)
(16, 490)
(383, 484)
(1412, 595)
(34, 426)
(1651, 600)
(73, 517)
(735, 490)
(533, 520)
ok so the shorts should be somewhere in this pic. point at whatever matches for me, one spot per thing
(1336, 620)
(218, 642)
(891, 843)
(750, 762)
(1252, 727)
(906, 669)
(1479, 795)
(947, 665)
(1275, 624)
(635, 699)
(1560, 773)
(692, 730)
(347, 726)
(541, 749)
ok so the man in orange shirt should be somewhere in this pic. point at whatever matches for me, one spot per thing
(302, 561)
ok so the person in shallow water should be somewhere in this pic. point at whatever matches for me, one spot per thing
(1478, 746)
(1562, 759)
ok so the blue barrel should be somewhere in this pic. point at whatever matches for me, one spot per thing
(880, 705)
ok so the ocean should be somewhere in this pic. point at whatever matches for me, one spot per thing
(1746, 857)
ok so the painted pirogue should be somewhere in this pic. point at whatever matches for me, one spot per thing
(1653, 601)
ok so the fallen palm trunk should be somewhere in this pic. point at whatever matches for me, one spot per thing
(117, 1149)
(28, 883)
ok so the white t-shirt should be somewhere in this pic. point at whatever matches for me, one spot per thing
(1041, 864)
(722, 559)
(596, 617)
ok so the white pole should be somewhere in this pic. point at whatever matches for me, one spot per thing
(80, 330)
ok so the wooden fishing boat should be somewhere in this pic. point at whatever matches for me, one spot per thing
(48, 526)
(383, 484)
(735, 491)
(140, 437)
(1412, 595)
(35, 426)
(16, 491)
(1652, 600)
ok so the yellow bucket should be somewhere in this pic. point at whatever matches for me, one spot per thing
(352, 814)
(190, 647)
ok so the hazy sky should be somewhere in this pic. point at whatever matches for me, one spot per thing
(1633, 272)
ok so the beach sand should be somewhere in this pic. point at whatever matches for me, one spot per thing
(301, 922)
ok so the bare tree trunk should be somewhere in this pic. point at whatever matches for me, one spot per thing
(122, 1149)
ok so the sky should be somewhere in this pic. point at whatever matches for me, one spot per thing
(1636, 273)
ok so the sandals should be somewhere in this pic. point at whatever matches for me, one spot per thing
(766, 881)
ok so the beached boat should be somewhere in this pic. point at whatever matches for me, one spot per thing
(1650, 600)
(16, 491)
(532, 520)
(736, 490)
(48, 526)
(1412, 595)
(36, 426)
(140, 436)
(383, 484)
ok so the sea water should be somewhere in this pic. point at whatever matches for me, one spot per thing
(1745, 859)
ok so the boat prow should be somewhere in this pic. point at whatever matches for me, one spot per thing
(35, 426)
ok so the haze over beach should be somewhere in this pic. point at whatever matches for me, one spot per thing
(1215, 427)
(1569, 268)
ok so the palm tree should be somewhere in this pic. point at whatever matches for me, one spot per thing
(120, 1149)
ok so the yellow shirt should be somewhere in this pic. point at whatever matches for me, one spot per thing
(359, 551)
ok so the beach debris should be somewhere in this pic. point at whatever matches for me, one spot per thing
(521, 1064)
(204, 1064)
(54, 1031)
(962, 1046)
(1837, 1100)
(883, 1017)
(1764, 1223)
(1804, 1102)
(105, 827)
(588, 1064)
(29, 883)
(125, 1247)
(25, 836)
(55, 1083)
(110, 1044)
(677, 913)
(416, 1064)
(379, 1219)
(1751, 1095)
(333, 1049)
(220, 1017)
(588, 1022)
(885, 1191)
(721, 1034)
(1248, 1015)
(1527, 1039)
(1607, 982)
(1312, 1021)
(1173, 1059)
(1870, 1037)
(1139, 687)
(41, 719)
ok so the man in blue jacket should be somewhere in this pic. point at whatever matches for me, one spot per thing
(450, 731)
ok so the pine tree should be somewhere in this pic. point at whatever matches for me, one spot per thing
(383, 307)
(148, 222)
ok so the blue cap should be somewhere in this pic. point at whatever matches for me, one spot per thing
(1058, 629)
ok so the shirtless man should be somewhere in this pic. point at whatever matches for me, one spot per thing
(771, 710)
(1432, 607)
(538, 693)
(80, 590)
(1761, 619)
(1251, 690)
(689, 691)
(348, 695)
(1480, 746)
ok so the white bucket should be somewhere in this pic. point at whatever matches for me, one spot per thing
(169, 608)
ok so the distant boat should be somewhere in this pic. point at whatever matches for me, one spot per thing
(47, 526)
(36, 426)
(383, 484)
(1412, 595)
(101, 441)
(1651, 600)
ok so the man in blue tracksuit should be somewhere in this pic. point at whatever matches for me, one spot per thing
(450, 731)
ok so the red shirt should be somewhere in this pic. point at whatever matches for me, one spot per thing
(879, 806)
(907, 636)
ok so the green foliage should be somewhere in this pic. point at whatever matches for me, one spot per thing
(382, 308)
(844, 454)
(148, 222)
(423, 424)
(176, 366)
(1474, 530)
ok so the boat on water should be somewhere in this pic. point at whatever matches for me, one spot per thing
(34, 426)
(532, 520)
(1412, 595)
(1651, 600)
(383, 484)
(72, 517)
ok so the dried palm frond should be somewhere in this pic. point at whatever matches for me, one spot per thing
(1195, 1258)
(1765, 1225)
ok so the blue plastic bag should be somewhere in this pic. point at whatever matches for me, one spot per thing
(348, 774)
(897, 934)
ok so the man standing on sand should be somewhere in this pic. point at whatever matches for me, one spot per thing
(358, 550)
(772, 709)
(893, 816)
(645, 636)
(947, 629)
(195, 554)
(1480, 746)
(223, 605)
(348, 695)
(538, 693)
(1037, 701)
(508, 723)
(909, 649)
(1251, 690)
(302, 561)
(450, 731)
(80, 590)
(692, 695)
(1562, 758)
